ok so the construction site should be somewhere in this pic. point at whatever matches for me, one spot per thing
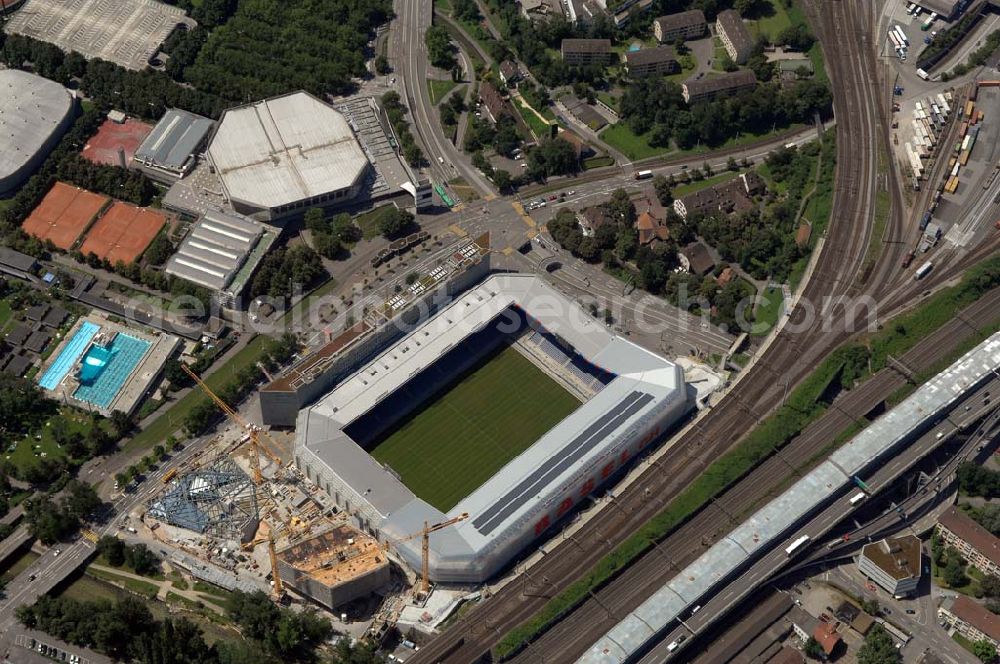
(242, 518)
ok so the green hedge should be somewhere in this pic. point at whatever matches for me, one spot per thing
(802, 406)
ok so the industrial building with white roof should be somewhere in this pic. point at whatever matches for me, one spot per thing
(279, 156)
(772, 523)
(637, 396)
(34, 114)
(214, 249)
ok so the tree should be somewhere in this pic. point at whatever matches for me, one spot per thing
(985, 651)
(621, 208)
(502, 180)
(991, 585)
(661, 186)
(394, 222)
(439, 47)
(870, 606)
(382, 65)
(727, 63)
(878, 648)
(813, 649)
(954, 571)
(113, 550)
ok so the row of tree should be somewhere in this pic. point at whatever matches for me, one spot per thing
(51, 520)
(396, 113)
(136, 557)
(656, 105)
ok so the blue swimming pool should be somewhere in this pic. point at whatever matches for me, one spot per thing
(103, 371)
(68, 356)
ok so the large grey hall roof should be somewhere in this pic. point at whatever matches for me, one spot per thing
(174, 138)
(214, 249)
(286, 149)
(32, 109)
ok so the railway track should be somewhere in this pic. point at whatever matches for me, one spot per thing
(791, 357)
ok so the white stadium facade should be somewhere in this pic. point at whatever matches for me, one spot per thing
(280, 156)
(634, 397)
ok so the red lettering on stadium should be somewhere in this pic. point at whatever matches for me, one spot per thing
(624, 457)
(607, 470)
(586, 487)
(542, 525)
(565, 506)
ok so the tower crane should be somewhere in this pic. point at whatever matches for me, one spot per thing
(279, 588)
(425, 549)
(252, 429)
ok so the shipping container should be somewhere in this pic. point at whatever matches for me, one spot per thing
(963, 159)
(965, 141)
(902, 35)
(922, 74)
(954, 171)
(926, 219)
(970, 106)
(980, 118)
(962, 128)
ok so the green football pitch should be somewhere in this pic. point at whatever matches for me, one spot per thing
(468, 432)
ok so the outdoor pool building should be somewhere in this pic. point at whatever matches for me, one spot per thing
(105, 366)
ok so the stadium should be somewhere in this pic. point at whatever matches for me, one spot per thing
(509, 403)
(279, 156)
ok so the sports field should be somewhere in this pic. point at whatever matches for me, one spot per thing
(64, 214)
(123, 233)
(470, 431)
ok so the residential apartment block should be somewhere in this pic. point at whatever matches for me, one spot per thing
(707, 89)
(578, 52)
(651, 62)
(976, 544)
(971, 619)
(682, 25)
(734, 35)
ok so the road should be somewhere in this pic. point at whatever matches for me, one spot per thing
(409, 54)
(724, 599)
(50, 569)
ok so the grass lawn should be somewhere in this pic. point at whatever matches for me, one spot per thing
(369, 221)
(144, 588)
(685, 189)
(468, 432)
(620, 137)
(717, 58)
(538, 127)
(171, 420)
(19, 564)
(766, 315)
(29, 451)
(597, 162)
(688, 64)
(463, 189)
(770, 26)
(608, 98)
(439, 89)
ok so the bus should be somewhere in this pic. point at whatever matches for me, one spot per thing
(857, 498)
(796, 545)
(923, 270)
(643, 175)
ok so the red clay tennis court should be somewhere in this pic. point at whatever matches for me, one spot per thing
(63, 215)
(102, 148)
(123, 233)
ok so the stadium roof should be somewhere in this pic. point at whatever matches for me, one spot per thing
(214, 249)
(173, 140)
(286, 149)
(32, 109)
(646, 386)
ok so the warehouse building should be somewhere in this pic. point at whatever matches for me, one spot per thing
(170, 151)
(280, 156)
(682, 25)
(893, 564)
(734, 35)
(34, 114)
(215, 253)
